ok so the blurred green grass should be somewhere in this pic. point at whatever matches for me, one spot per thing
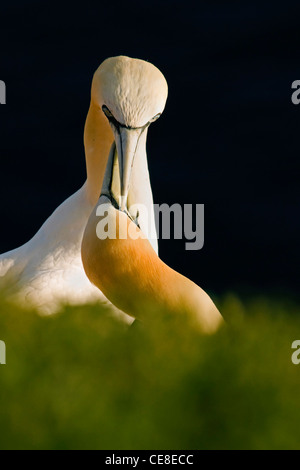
(81, 380)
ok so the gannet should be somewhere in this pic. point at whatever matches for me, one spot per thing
(125, 265)
(47, 271)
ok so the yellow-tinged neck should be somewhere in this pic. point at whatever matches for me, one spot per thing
(98, 138)
(135, 279)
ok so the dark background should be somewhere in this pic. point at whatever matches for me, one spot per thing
(229, 137)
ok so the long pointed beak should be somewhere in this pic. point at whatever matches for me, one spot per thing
(126, 142)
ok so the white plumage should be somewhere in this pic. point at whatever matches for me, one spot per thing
(47, 271)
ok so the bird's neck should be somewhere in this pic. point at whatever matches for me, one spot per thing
(135, 279)
(98, 138)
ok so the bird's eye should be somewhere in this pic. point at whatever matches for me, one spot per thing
(155, 118)
(107, 112)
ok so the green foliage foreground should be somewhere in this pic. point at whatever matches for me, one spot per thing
(80, 380)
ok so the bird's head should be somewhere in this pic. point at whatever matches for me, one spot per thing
(132, 94)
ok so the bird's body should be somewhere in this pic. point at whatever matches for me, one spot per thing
(47, 271)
